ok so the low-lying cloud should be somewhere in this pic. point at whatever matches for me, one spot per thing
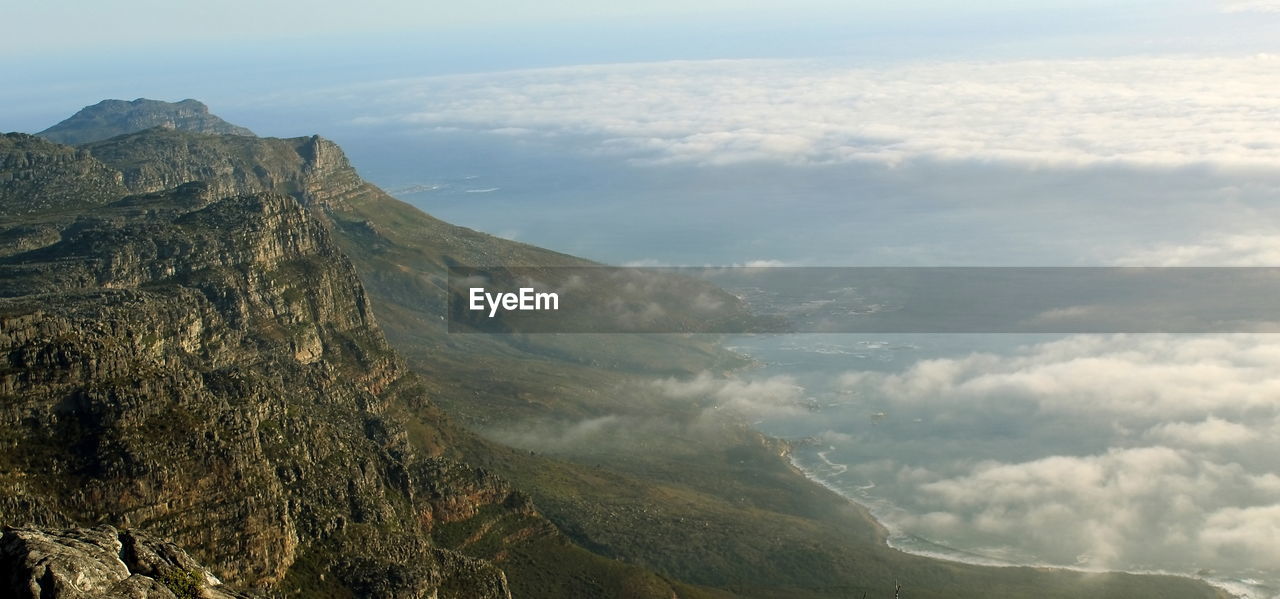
(777, 396)
(1247, 6)
(1132, 111)
(1161, 451)
(1240, 249)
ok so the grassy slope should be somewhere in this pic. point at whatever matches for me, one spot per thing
(718, 507)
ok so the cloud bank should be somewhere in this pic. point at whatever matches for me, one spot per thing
(1167, 463)
(1247, 6)
(1240, 249)
(1135, 111)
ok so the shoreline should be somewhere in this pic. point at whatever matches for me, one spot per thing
(1234, 589)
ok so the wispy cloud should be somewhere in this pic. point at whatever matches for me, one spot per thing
(774, 396)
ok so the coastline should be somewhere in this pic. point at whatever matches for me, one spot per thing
(885, 533)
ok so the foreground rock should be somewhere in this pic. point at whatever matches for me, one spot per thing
(100, 562)
(208, 368)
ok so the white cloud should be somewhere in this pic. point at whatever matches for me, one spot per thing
(1170, 465)
(1211, 432)
(1121, 508)
(773, 396)
(1246, 249)
(1239, 6)
(1135, 111)
(1153, 377)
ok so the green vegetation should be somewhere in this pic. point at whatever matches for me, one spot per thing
(184, 584)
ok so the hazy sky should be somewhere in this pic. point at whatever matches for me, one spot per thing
(64, 54)
(58, 25)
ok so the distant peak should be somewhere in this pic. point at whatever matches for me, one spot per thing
(110, 118)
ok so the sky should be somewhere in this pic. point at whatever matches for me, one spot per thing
(69, 52)
(74, 25)
(820, 133)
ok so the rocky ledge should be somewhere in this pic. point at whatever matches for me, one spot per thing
(102, 563)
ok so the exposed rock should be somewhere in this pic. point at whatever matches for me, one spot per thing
(200, 360)
(110, 118)
(210, 370)
(38, 176)
(100, 563)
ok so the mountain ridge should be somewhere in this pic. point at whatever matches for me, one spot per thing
(110, 118)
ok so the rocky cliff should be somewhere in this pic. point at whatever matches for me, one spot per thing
(188, 351)
(311, 169)
(110, 118)
(207, 368)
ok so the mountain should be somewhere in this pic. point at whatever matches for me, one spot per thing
(240, 349)
(110, 118)
(207, 367)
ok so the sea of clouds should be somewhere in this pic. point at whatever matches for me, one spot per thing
(1173, 159)
(1148, 111)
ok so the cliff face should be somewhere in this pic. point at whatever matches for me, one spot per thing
(207, 368)
(312, 169)
(195, 356)
(400, 252)
(110, 118)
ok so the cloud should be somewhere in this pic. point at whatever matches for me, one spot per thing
(1153, 377)
(1120, 508)
(1158, 112)
(1247, 6)
(1131, 452)
(1247, 249)
(1211, 432)
(776, 396)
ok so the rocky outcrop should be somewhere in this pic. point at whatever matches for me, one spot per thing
(311, 169)
(208, 369)
(38, 176)
(100, 563)
(110, 118)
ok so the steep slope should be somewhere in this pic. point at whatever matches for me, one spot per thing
(208, 369)
(400, 252)
(110, 118)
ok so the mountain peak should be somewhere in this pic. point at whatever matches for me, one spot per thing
(110, 118)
